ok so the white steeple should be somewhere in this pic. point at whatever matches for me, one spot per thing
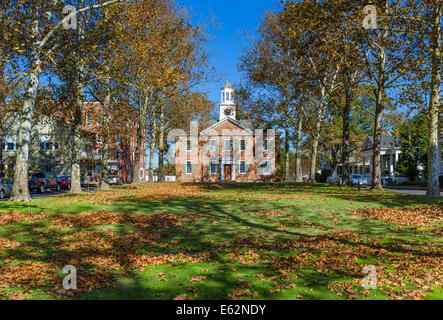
(227, 106)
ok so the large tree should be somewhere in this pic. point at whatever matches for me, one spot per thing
(164, 57)
(37, 23)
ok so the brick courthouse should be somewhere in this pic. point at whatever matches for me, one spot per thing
(229, 150)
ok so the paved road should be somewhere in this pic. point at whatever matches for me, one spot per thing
(36, 195)
(406, 191)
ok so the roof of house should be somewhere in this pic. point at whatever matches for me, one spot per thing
(387, 142)
(243, 125)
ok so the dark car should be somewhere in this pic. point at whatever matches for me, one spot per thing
(387, 180)
(42, 181)
(65, 182)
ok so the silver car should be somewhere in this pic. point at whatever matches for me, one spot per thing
(115, 180)
(5, 188)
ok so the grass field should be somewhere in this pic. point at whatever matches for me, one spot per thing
(223, 241)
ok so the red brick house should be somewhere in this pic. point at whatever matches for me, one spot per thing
(229, 150)
(121, 147)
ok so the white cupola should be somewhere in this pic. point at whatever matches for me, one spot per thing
(227, 106)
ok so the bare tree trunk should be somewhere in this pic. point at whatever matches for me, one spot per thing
(286, 154)
(138, 150)
(77, 143)
(321, 112)
(334, 171)
(314, 153)
(151, 152)
(376, 171)
(161, 146)
(20, 191)
(433, 188)
(378, 124)
(78, 112)
(140, 141)
(346, 136)
(161, 177)
(298, 169)
(2, 126)
(2, 109)
(104, 182)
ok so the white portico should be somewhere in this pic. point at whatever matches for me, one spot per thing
(389, 156)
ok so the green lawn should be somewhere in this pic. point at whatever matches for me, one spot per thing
(223, 241)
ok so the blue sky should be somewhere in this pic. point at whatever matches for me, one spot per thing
(231, 23)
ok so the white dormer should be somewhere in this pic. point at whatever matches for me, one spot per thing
(227, 106)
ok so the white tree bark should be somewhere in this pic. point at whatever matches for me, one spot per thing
(151, 152)
(161, 148)
(104, 182)
(298, 168)
(287, 154)
(20, 190)
(433, 188)
(78, 112)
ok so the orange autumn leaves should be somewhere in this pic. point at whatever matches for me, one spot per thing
(413, 217)
(38, 260)
(34, 247)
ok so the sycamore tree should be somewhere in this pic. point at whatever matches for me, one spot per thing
(274, 64)
(430, 22)
(319, 71)
(341, 43)
(37, 23)
(422, 21)
(388, 53)
(180, 107)
(105, 84)
(406, 57)
(164, 56)
(10, 74)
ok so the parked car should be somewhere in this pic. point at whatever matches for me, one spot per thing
(338, 179)
(397, 178)
(42, 181)
(115, 180)
(5, 188)
(358, 179)
(387, 180)
(330, 179)
(65, 182)
(87, 178)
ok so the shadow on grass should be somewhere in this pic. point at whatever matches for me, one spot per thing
(222, 221)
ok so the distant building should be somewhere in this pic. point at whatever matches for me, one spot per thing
(121, 150)
(51, 141)
(389, 155)
(229, 150)
(50, 146)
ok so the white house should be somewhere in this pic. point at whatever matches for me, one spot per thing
(389, 156)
